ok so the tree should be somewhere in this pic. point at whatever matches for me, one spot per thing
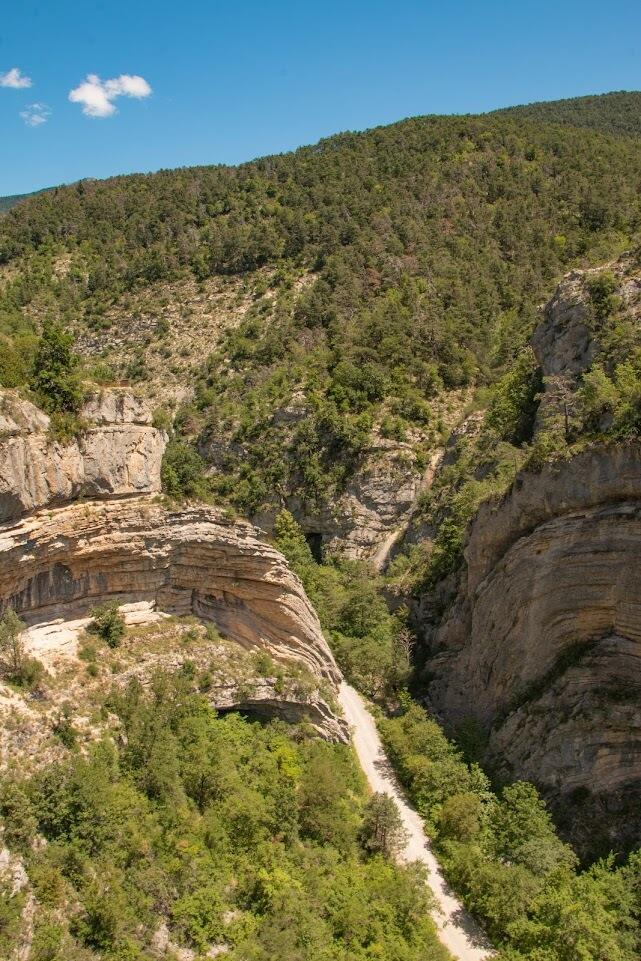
(12, 647)
(54, 375)
(15, 664)
(382, 831)
(183, 471)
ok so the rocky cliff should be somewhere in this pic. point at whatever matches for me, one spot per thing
(118, 453)
(542, 644)
(119, 543)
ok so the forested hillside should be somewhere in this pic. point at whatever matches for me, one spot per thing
(618, 112)
(6, 203)
(400, 262)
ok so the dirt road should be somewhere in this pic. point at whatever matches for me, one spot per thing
(457, 929)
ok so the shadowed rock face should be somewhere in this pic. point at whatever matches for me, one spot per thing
(542, 645)
(61, 562)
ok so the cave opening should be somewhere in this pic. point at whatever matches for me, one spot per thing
(315, 543)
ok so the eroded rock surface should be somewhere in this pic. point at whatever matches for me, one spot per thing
(118, 454)
(119, 544)
(65, 561)
(542, 645)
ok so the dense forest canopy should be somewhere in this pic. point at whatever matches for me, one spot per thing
(617, 112)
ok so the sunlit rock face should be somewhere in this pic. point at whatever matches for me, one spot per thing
(118, 453)
(110, 540)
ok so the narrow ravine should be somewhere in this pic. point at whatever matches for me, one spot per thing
(382, 556)
(456, 928)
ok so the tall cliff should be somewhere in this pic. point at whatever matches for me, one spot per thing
(542, 643)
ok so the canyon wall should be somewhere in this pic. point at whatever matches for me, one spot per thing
(542, 643)
(118, 453)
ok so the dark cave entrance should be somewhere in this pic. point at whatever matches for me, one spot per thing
(315, 543)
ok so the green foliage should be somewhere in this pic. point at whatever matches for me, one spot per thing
(54, 375)
(611, 404)
(16, 359)
(229, 832)
(15, 664)
(371, 645)
(501, 853)
(601, 290)
(420, 253)
(382, 831)
(618, 112)
(515, 400)
(183, 472)
(108, 623)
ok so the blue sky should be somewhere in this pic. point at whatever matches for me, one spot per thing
(233, 81)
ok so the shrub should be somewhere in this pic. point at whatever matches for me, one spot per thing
(183, 472)
(15, 665)
(108, 623)
(54, 375)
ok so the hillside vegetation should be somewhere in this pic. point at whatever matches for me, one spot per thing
(426, 248)
(618, 112)
(6, 203)
(365, 286)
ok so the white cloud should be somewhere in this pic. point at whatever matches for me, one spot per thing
(97, 96)
(35, 114)
(15, 79)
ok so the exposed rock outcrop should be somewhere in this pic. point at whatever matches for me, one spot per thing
(378, 498)
(120, 544)
(542, 645)
(64, 561)
(119, 453)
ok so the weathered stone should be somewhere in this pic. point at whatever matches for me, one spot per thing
(119, 545)
(542, 644)
(118, 454)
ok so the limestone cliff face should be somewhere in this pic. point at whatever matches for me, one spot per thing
(542, 645)
(118, 454)
(377, 499)
(63, 562)
(119, 544)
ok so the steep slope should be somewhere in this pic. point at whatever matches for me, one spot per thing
(541, 643)
(348, 296)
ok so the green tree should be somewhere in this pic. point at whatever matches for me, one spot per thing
(383, 831)
(54, 376)
(108, 623)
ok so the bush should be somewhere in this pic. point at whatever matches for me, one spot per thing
(515, 400)
(183, 472)
(108, 623)
(15, 665)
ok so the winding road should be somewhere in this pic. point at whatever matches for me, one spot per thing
(456, 928)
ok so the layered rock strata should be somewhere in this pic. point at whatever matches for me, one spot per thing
(542, 645)
(118, 453)
(63, 562)
(119, 544)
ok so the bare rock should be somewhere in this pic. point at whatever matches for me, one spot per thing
(542, 643)
(61, 563)
(118, 454)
